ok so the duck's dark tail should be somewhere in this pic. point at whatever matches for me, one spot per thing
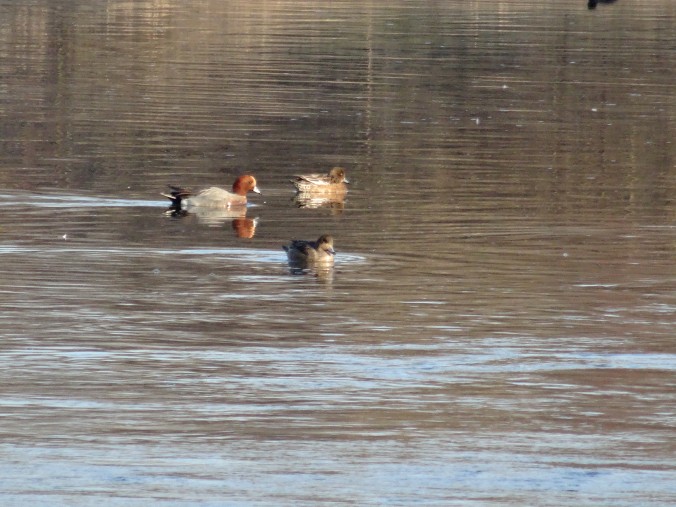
(176, 195)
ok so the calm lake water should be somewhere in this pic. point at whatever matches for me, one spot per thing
(499, 327)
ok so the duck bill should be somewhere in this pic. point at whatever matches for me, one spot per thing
(255, 189)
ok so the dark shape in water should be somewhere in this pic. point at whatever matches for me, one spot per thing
(591, 4)
(303, 253)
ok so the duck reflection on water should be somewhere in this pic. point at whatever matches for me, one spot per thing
(243, 226)
(214, 206)
(336, 204)
(321, 190)
(316, 257)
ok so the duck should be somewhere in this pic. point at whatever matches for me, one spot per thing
(593, 3)
(214, 197)
(307, 253)
(332, 182)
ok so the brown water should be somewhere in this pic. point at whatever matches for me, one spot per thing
(499, 325)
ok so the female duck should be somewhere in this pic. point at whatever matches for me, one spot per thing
(214, 197)
(334, 181)
(307, 253)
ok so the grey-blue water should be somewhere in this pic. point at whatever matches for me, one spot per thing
(498, 328)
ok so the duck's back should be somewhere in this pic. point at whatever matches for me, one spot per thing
(311, 252)
(214, 197)
(313, 179)
(317, 183)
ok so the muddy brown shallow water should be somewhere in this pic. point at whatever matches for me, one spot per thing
(498, 328)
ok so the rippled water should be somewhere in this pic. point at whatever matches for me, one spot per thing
(498, 328)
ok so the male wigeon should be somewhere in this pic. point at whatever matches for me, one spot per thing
(214, 197)
(307, 253)
(333, 182)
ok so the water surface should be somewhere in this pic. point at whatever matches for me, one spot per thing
(498, 328)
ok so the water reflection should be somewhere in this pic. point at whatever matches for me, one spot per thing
(243, 226)
(335, 203)
(322, 273)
